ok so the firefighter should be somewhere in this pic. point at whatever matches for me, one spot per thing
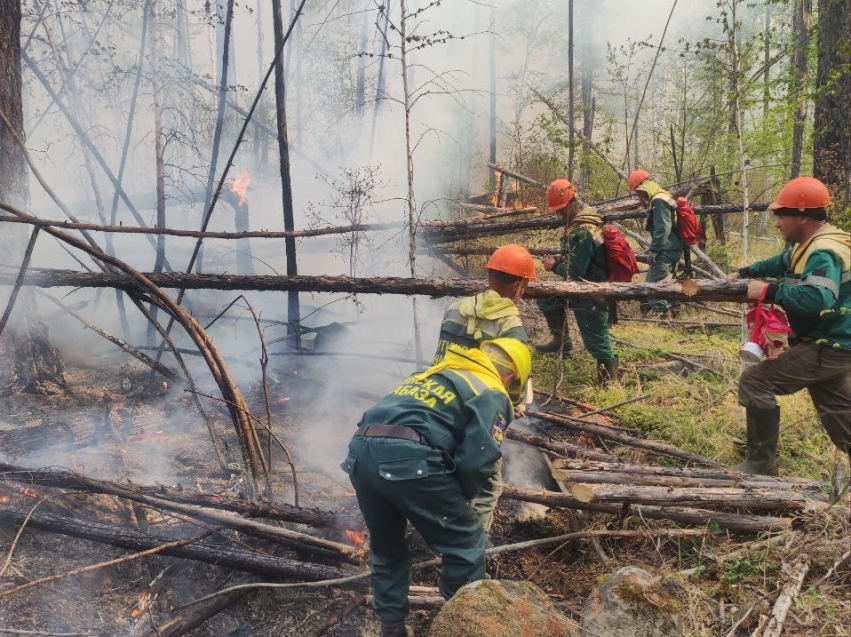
(488, 315)
(815, 291)
(421, 454)
(583, 259)
(665, 248)
(492, 313)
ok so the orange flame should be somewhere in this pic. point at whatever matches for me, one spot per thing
(29, 492)
(141, 605)
(240, 185)
(284, 399)
(357, 538)
(4, 499)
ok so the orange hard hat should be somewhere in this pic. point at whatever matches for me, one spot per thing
(560, 193)
(802, 193)
(513, 259)
(636, 177)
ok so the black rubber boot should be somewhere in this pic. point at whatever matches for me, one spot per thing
(395, 628)
(763, 432)
(607, 371)
(560, 335)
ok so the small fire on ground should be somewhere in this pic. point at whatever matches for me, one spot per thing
(240, 185)
(357, 538)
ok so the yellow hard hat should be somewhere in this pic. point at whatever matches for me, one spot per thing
(518, 355)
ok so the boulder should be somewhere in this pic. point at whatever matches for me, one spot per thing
(632, 603)
(494, 608)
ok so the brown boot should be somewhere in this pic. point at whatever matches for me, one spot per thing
(607, 371)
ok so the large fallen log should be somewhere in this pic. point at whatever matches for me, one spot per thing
(721, 290)
(299, 541)
(742, 523)
(761, 499)
(471, 229)
(617, 472)
(625, 439)
(255, 509)
(205, 551)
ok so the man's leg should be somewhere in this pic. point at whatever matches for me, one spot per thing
(793, 370)
(832, 397)
(391, 556)
(553, 309)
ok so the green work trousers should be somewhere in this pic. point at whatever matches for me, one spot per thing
(592, 317)
(666, 263)
(485, 501)
(396, 481)
(824, 371)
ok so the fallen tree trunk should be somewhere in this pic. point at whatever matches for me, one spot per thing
(196, 614)
(240, 559)
(299, 541)
(625, 439)
(556, 446)
(286, 512)
(719, 290)
(712, 497)
(742, 523)
(642, 471)
(473, 228)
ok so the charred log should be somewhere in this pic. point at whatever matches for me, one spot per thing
(558, 447)
(204, 551)
(285, 512)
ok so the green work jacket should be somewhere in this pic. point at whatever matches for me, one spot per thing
(814, 287)
(583, 253)
(457, 406)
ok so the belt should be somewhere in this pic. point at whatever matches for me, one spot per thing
(389, 431)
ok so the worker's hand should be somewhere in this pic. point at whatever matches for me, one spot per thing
(650, 258)
(549, 263)
(519, 410)
(756, 290)
(734, 276)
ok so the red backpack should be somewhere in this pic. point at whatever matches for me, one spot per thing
(621, 264)
(687, 222)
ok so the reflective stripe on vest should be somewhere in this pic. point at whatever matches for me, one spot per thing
(476, 384)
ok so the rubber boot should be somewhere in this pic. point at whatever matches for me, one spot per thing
(558, 330)
(607, 371)
(763, 432)
(396, 628)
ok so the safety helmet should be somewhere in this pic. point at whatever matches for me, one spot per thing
(636, 177)
(513, 259)
(802, 193)
(518, 357)
(560, 193)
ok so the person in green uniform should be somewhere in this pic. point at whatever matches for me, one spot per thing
(583, 259)
(815, 291)
(492, 313)
(665, 248)
(421, 454)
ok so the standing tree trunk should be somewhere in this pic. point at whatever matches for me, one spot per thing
(286, 183)
(36, 366)
(832, 127)
(570, 117)
(738, 119)
(492, 97)
(801, 22)
(409, 151)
